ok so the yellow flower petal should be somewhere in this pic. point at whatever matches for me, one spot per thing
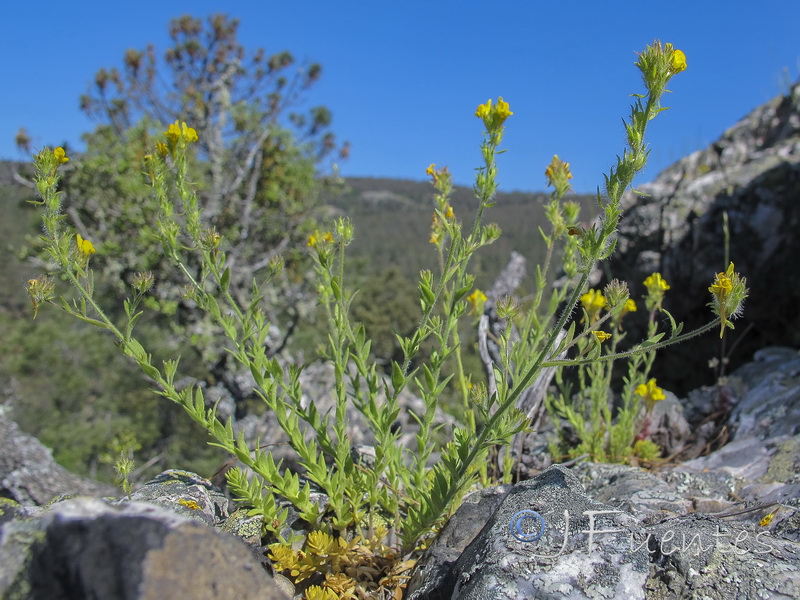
(483, 110)
(85, 247)
(601, 336)
(60, 155)
(678, 61)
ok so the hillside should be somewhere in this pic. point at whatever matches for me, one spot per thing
(392, 218)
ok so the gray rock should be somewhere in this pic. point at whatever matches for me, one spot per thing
(186, 493)
(433, 573)
(657, 546)
(28, 473)
(700, 557)
(86, 548)
(562, 562)
(771, 406)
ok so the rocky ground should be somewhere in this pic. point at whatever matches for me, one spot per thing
(694, 529)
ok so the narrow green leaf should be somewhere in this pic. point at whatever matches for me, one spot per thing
(225, 281)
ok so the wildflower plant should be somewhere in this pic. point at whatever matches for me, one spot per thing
(593, 428)
(388, 505)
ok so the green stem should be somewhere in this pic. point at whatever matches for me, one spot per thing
(638, 350)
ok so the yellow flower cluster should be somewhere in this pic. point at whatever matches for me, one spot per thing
(558, 175)
(476, 300)
(656, 282)
(493, 116)
(316, 238)
(658, 64)
(650, 392)
(593, 302)
(728, 294)
(722, 286)
(177, 133)
(656, 287)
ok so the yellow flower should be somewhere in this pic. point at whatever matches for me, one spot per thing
(483, 110)
(493, 116)
(189, 133)
(431, 170)
(558, 175)
(656, 282)
(650, 392)
(601, 336)
(85, 247)
(173, 133)
(502, 109)
(630, 306)
(477, 300)
(656, 286)
(722, 286)
(768, 518)
(593, 299)
(317, 237)
(593, 302)
(177, 131)
(678, 61)
(162, 149)
(60, 155)
(449, 213)
(729, 293)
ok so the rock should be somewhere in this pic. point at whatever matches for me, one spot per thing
(771, 406)
(569, 559)
(433, 572)
(86, 548)
(752, 174)
(186, 493)
(28, 473)
(646, 541)
(696, 556)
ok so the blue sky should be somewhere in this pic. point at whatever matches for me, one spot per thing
(403, 78)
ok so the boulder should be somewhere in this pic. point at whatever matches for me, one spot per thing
(87, 548)
(28, 473)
